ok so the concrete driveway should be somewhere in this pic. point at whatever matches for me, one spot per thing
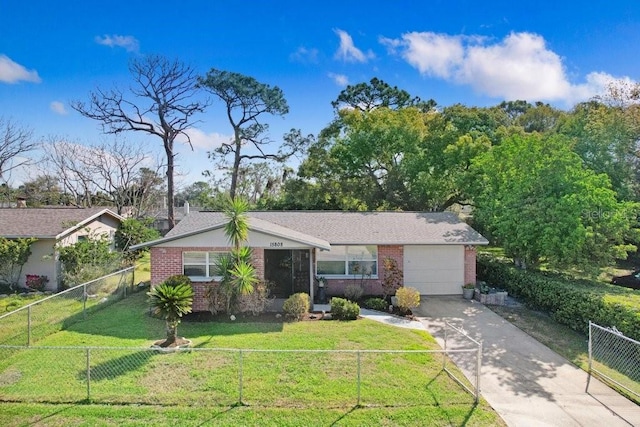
(527, 383)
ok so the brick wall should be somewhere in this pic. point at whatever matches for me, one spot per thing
(336, 287)
(166, 262)
(469, 264)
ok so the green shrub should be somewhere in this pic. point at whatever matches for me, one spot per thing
(572, 302)
(353, 292)
(256, 302)
(177, 280)
(408, 299)
(342, 309)
(376, 304)
(296, 306)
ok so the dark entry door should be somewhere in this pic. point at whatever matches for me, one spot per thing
(287, 271)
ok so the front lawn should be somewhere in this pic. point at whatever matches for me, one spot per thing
(290, 388)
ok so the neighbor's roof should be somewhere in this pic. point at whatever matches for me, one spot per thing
(47, 223)
(347, 228)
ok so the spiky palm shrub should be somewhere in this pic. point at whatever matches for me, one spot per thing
(171, 299)
(238, 275)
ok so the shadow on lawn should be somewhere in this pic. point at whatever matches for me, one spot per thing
(113, 368)
(131, 319)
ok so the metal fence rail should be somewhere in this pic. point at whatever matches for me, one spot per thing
(614, 358)
(41, 318)
(225, 377)
(454, 340)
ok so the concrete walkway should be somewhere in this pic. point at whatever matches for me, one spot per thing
(524, 381)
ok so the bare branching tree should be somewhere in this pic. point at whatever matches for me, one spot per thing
(15, 141)
(67, 161)
(160, 103)
(116, 172)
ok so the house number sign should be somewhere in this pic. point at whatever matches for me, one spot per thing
(276, 244)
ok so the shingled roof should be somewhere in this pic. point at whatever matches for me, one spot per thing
(46, 223)
(348, 228)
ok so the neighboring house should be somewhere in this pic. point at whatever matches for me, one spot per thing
(52, 227)
(436, 251)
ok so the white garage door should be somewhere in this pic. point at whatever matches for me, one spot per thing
(434, 269)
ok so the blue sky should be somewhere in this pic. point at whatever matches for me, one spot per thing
(470, 52)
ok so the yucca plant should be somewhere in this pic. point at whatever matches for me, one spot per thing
(171, 299)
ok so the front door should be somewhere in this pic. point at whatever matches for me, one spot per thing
(287, 271)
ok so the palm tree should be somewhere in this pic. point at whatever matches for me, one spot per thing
(171, 300)
(242, 275)
(237, 229)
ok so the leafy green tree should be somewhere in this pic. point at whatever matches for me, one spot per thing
(14, 254)
(88, 259)
(43, 190)
(246, 100)
(132, 231)
(376, 94)
(536, 199)
(171, 300)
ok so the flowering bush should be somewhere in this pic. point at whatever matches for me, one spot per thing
(36, 282)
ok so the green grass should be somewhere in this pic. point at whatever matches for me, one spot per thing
(201, 386)
(143, 269)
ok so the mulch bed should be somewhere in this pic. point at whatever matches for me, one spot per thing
(268, 317)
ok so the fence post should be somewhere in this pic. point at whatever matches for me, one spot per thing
(29, 326)
(586, 390)
(85, 296)
(358, 358)
(88, 374)
(444, 359)
(479, 365)
(240, 377)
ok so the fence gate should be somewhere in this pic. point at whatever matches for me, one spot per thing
(614, 358)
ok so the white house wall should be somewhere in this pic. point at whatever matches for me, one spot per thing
(217, 238)
(104, 225)
(41, 262)
(434, 269)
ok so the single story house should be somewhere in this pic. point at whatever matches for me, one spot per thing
(54, 226)
(291, 249)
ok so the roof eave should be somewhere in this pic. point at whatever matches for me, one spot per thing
(87, 221)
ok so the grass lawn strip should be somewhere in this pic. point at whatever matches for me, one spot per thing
(323, 384)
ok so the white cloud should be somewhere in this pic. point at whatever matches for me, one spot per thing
(58, 108)
(432, 54)
(130, 43)
(339, 79)
(304, 55)
(520, 66)
(205, 141)
(12, 72)
(348, 52)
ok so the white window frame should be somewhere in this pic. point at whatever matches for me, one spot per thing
(209, 264)
(347, 260)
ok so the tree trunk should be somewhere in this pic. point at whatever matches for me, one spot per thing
(172, 332)
(236, 163)
(168, 148)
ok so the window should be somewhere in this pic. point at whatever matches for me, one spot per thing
(200, 265)
(348, 261)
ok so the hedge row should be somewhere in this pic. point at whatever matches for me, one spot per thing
(571, 302)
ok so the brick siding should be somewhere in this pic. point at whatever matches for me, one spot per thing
(336, 287)
(469, 264)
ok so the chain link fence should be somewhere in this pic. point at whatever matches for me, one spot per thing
(456, 344)
(226, 377)
(615, 359)
(39, 319)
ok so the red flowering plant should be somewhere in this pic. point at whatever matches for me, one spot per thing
(36, 282)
